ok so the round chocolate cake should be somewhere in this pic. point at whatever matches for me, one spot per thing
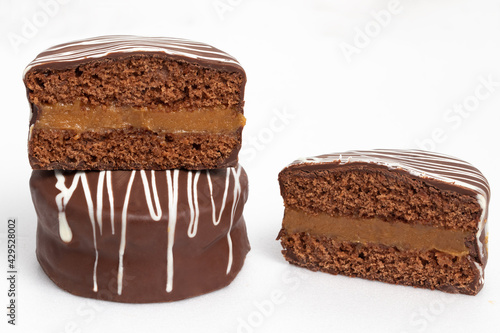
(141, 236)
(408, 217)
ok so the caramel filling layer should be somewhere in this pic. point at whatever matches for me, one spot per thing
(401, 235)
(216, 119)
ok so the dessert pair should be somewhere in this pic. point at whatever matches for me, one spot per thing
(139, 194)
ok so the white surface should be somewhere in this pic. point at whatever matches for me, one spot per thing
(303, 98)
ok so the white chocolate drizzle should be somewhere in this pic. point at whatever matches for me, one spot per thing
(418, 163)
(90, 206)
(155, 216)
(100, 195)
(173, 196)
(62, 200)
(99, 47)
(237, 194)
(215, 220)
(192, 194)
(123, 238)
(153, 203)
(109, 187)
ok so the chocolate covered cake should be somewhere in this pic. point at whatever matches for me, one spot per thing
(130, 103)
(141, 236)
(406, 217)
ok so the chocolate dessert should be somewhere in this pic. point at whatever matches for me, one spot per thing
(137, 186)
(131, 103)
(141, 236)
(406, 217)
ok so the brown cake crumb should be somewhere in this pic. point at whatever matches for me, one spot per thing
(131, 149)
(431, 270)
(373, 193)
(138, 80)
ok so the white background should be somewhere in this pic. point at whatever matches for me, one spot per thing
(399, 88)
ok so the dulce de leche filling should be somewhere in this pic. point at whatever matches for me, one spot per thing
(359, 230)
(214, 119)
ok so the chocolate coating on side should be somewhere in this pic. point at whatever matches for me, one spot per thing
(131, 238)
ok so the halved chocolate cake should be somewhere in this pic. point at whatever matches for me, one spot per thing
(127, 102)
(407, 217)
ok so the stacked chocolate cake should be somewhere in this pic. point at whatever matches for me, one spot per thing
(134, 144)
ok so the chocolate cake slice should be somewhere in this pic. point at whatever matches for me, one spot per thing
(127, 102)
(141, 236)
(406, 217)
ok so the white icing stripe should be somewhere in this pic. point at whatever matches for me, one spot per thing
(189, 192)
(173, 49)
(417, 162)
(62, 200)
(154, 207)
(426, 165)
(105, 49)
(155, 216)
(129, 39)
(192, 193)
(173, 196)
(215, 220)
(90, 205)
(236, 198)
(102, 46)
(109, 187)
(100, 194)
(123, 238)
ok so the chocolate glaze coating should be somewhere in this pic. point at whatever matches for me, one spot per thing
(205, 253)
(442, 171)
(72, 54)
